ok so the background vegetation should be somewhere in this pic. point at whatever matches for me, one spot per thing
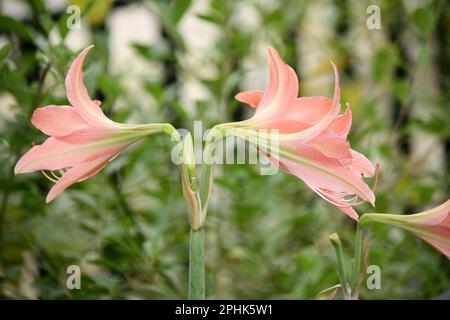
(180, 61)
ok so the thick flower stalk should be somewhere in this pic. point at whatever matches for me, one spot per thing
(311, 137)
(82, 139)
(432, 226)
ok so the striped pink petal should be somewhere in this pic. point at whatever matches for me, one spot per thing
(442, 246)
(90, 134)
(342, 124)
(302, 114)
(303, 118)
(283, 86)
(350, 212)
(432, 226)
(333, 146)
(79, 97)
(361, 164)
(327, 119)
(326, 175)
(82, 139)
(54, 154)
(251, 98)
(78, 173)
(312, 137)
(58, 121)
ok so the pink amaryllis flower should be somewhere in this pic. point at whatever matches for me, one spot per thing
(82, 139)
(433, 226)
(312, 137)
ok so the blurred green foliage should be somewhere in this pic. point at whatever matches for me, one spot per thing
(267, 236)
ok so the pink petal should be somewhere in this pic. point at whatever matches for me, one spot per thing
(342, 124)
(350, 212)
(312, 136)
(54, 154)
(327, 177)
(433, 226)
(437, 216)
(78, 94)
(251, 98)
(332, 142)
(326, 120)
(301, 115)
(311, 109)
(283, 86)
(361, 164)
(333, 146)
(86, 135)
(443, 247)
(58, 120)
(284, 125)
(75, 174)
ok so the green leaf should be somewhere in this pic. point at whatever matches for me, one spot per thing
(155, 89)
(179, 8)
(4, 51)
(401, 90)
(383, 63)
(109, 85)
(37, 5)
(62, 25)
(46, 22)
(180, 110)
(212, 18)
(422, 19)
(158, 51)
(8, 24)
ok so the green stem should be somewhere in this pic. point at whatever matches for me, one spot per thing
(207, 174)
(197, 265)
(334, 238)
(206, 185)
(359, 250)
(198, 212)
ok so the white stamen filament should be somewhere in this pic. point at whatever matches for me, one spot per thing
(48, 177)
(54, 177)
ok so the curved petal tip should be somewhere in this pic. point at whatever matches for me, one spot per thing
(16, 169)
(78, 96)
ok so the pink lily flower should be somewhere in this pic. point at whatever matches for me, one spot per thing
(432, 226)
(82, 139)
(312, 137)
